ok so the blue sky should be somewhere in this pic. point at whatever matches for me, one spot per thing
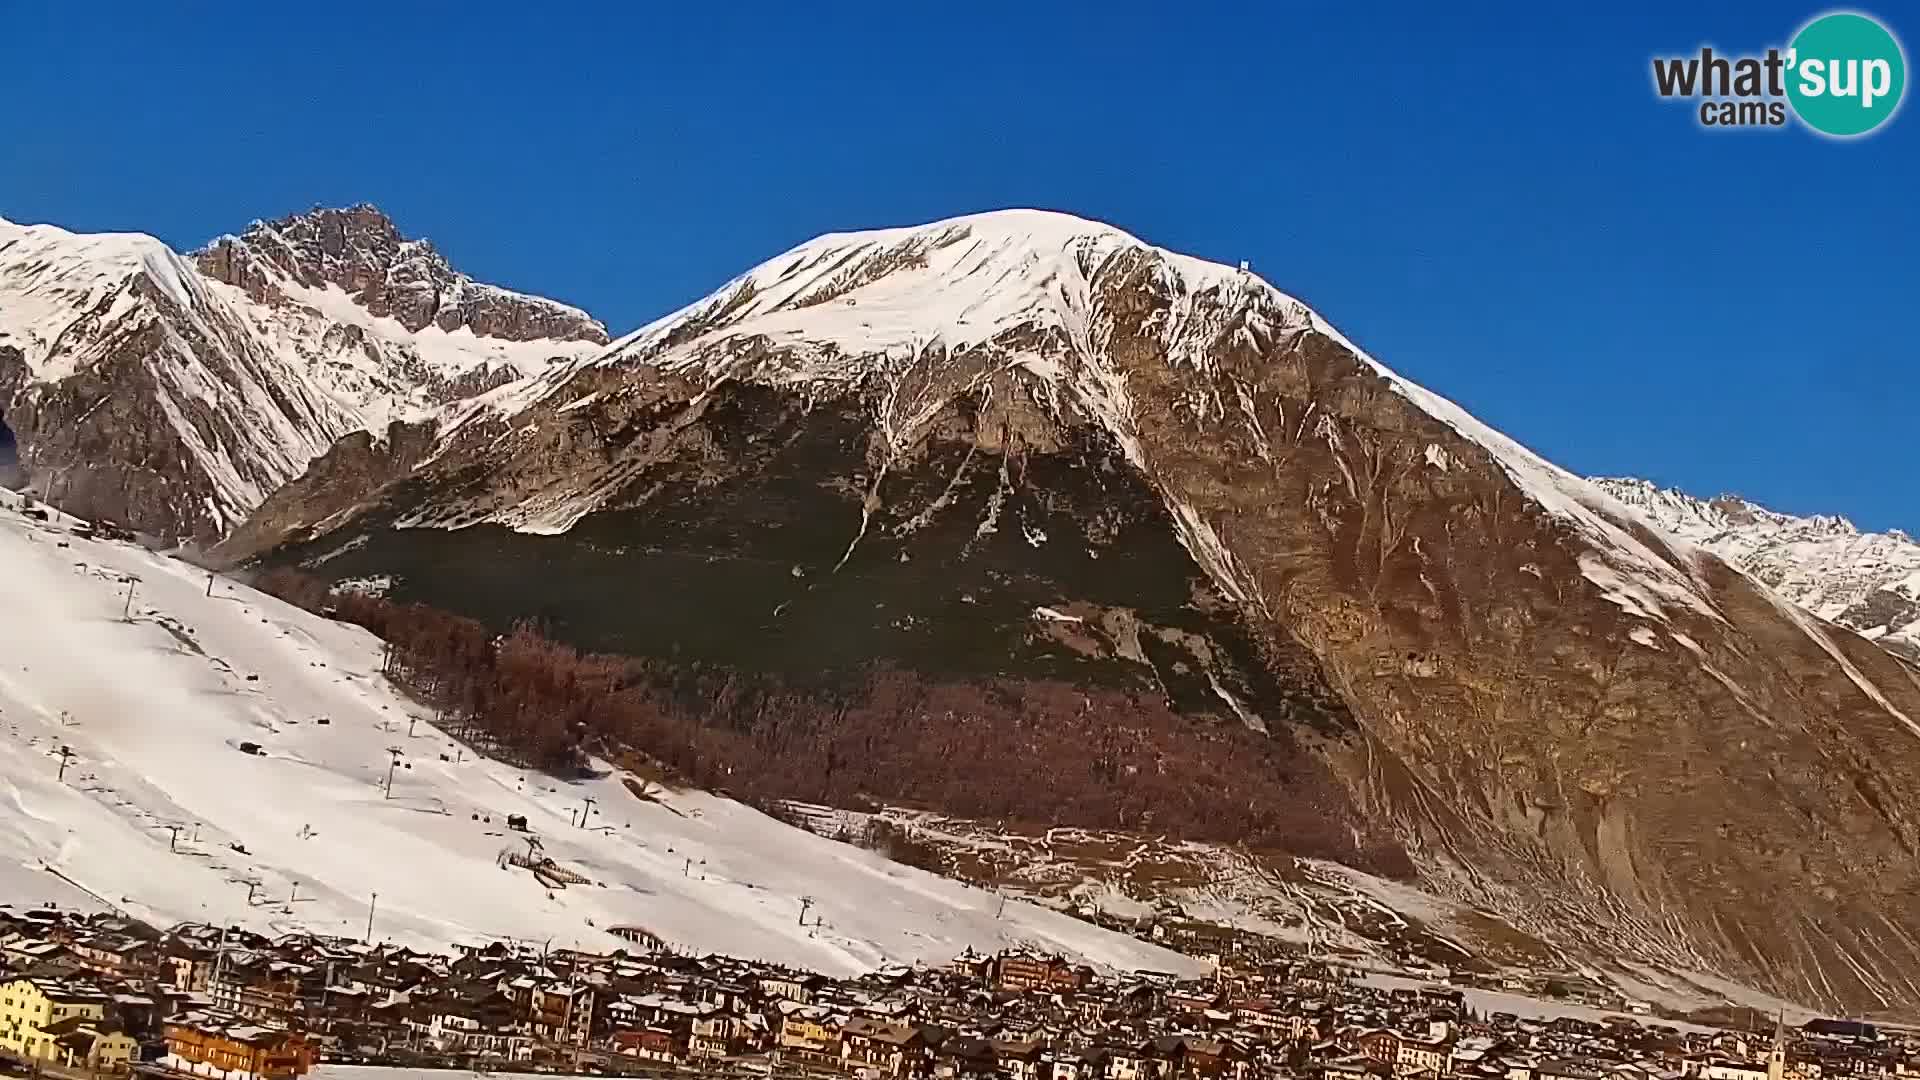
(1493, 203)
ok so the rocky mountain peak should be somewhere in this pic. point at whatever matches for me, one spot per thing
(359, 250)
(173, 393)
(1742, 511)
(1735, 509)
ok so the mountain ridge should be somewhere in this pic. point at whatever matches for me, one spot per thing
(1868, 582)
(156, 394)
(359, 249)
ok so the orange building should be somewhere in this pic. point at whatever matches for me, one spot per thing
(214, 1044)
(1026, 971)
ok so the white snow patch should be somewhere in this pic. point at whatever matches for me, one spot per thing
(1625, 592)
(51, 280)
(1492, 1001)
(378, 585)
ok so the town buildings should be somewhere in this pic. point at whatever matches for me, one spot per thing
(106, 994)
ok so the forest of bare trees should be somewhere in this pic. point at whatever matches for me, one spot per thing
(1019, 751)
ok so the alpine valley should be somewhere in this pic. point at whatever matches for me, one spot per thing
(1081, 511)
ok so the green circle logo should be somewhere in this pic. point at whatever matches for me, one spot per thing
(1846, 74)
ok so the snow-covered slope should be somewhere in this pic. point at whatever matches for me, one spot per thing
(1869, 582)
(144, 388)
(57, 284)
(162, 814)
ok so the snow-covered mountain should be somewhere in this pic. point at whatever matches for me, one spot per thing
(1025, 303)
(1022, 445)
(1868, 582)
(161, 811)
(175, 393)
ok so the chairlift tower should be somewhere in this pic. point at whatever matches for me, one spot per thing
(391, 766)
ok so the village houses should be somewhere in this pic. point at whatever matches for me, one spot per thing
(104, 994)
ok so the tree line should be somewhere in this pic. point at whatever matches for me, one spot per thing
(1022, 751)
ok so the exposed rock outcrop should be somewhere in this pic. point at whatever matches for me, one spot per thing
(360, 249)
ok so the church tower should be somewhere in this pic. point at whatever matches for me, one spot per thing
(1777, 1057)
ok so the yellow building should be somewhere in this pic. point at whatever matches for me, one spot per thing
(93, 1044)
(811, 1030)
(31, 1008)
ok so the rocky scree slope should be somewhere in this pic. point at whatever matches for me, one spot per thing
(174, 393)
(1607, 735)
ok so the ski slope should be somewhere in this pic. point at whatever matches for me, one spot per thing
(161, 814)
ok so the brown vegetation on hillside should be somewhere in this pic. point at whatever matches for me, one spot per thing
(1021, 751)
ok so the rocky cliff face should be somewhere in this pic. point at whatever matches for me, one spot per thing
(145, 391)
(1867, 582)
(956, 444)
(9, 452)
(360, 250)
